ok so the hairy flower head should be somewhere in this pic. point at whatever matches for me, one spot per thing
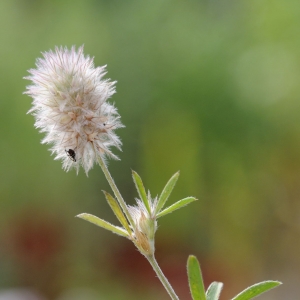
(70, 106)
(145, 225)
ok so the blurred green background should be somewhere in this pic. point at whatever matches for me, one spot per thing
(207, 87)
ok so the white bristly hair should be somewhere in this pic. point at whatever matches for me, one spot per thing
(70, 106)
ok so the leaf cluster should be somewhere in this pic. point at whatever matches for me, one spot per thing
(214, 290)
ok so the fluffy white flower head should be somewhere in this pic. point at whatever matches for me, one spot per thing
(70, 106)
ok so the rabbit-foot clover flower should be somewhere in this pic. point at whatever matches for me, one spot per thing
(70, 106)
(147, 210)
(145, 225)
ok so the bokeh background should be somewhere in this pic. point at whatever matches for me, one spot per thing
(207, 87)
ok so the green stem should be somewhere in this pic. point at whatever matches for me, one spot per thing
(115, 190)
(162, 277)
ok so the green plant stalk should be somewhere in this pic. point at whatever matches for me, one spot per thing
(123, 205)
(162, 277)
(115, 190)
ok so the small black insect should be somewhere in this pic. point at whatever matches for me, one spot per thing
(72, 154)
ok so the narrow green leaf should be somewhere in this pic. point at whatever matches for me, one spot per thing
(179, 204)
(117, 211)
(214, 290)
(256, 289)
(141, 190)
(195, 279)
(166, 192)
(99, 222)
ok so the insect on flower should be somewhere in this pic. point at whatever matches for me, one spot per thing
(70, 105)
(71, 154)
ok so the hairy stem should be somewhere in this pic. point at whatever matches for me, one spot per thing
(162, 277)
(115, 190)
(123, 205)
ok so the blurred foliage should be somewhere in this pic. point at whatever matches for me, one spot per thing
(207, 87)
